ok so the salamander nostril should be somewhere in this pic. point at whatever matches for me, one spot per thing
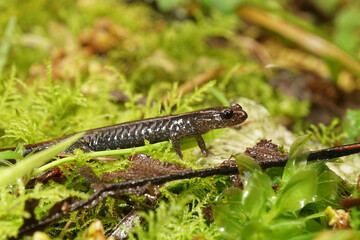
(237, 106)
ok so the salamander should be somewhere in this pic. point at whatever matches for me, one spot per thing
(158, 129)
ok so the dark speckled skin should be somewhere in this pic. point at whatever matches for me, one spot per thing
(173, 127)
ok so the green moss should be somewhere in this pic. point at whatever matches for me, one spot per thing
(46, 95)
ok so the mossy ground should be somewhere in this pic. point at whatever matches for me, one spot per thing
(64, 64)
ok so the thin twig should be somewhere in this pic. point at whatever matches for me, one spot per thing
(323, 154)
(306, 39)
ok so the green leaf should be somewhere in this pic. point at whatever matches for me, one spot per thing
(229, 217)
(253, 230)
(256, 194)
(233, 198)
(286, 228)
(5, 44)
(328, 183)
(226, 222)
(298, 191)
(10, 155)
(10, 174)
(298, 157)
(246, 163)
(219, 96)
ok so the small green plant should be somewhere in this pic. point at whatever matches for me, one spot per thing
(328, 135)
(182, 204)
(259, 212)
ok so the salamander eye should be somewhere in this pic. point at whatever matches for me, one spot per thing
(228, 114)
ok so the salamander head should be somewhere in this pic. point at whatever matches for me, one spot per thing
(221, 117)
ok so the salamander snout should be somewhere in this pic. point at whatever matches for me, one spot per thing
(234, 115)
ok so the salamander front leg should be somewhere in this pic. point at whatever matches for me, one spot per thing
(202, 145)
(176, 145)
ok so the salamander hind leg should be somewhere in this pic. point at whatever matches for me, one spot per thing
(176, 145)
(81, 143)
(202, 145)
